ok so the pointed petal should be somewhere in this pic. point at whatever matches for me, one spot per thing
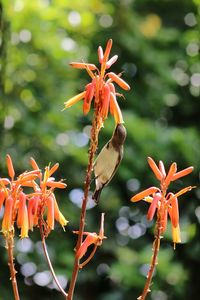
(25, 225)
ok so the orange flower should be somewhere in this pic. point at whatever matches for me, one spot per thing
(92, 238)
(27, 209)
(164, 203)
(101, 88)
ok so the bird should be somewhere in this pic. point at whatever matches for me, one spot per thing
(108, 160)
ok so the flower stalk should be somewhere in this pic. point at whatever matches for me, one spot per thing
(9, 247)
(165, 204)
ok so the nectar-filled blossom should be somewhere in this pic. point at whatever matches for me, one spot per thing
(163, 202)
(25, 210)
(101, 89)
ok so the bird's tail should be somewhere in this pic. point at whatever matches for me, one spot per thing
(96, 195)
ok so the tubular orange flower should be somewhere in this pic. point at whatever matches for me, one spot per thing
(165, 203)
(100, 88)
(7, 225)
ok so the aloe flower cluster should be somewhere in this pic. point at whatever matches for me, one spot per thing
(101, 89)
(165, 203)
(28, 209)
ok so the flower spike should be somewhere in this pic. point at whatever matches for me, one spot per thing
(100, 90)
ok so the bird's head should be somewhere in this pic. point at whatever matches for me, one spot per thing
(119, 135)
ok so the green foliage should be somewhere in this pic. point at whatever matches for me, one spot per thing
(158, 47)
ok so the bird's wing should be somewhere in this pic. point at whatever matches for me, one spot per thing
(105, 165)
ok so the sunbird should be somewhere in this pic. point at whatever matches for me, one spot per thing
(108, 160)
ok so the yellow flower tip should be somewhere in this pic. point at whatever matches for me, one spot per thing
(63, 222)
(74, 100)
(176, 235)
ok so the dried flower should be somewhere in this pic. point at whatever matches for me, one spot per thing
(101, 88)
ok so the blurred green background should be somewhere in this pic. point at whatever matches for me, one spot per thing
(158, 46)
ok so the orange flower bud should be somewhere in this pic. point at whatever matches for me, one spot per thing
(162, 168)
(32, 211)
(53, 169)
(115, 109)
(153, 206)
(164, 221)
(174, 211)
(144, 193)
(90, 88)
(21, 209)
(56, 184)
(107, 51)
(154, 168)
(10, 167)
(25, 225)
(34, 164)
(111, 61)
(172, 171)
(78, 65)
(119, 81)
(7, 218)
(90, 239)
(100, 54)
(50, 212)
(105, 101)
(182, 173)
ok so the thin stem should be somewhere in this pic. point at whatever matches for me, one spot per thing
(9, 247)
(92, 151)
(156, 247)
(49, 262)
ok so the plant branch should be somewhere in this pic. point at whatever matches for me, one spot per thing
(92, 151)
(9, 248)
(156, 247)
(49, 262)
